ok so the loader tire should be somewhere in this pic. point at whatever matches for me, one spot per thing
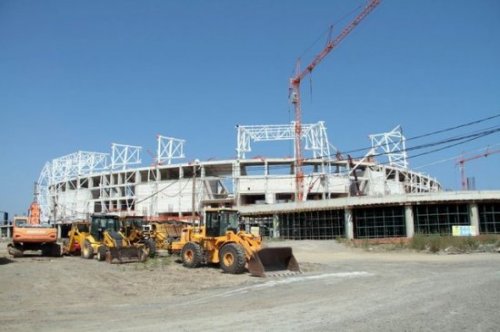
(87, 250)
(192, 255)
(101, 253)
(232, 258)
(150, 247)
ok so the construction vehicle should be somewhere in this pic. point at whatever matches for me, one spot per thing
(164, 233)
(76, 237)
(104, 238)
(221, 241)
(135, 229)
(28, 233)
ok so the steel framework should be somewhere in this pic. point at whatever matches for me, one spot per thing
(124, 155)
(67, 168)
(314, 135)
(169, 148)
(391, 144)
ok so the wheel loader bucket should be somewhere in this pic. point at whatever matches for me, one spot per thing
(125, 255)
(273, 261)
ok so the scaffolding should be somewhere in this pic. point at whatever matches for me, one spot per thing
(489, 218)
(383, 222)
(440, 218)
(312, 225)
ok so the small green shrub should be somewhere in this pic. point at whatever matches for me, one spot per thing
(418, 242)
(436, 243)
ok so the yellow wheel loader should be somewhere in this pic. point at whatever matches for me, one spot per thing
(102, 237)
(220, 241)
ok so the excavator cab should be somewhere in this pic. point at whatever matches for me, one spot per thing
(28, 233)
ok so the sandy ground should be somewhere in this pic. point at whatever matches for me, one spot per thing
(340, 289)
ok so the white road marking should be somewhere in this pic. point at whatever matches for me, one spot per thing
(290, 280)
(284, 281)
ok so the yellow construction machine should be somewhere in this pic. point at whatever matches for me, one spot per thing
(135, 229)
(103, 237)
(164, 233)
(76, 238)
(221, 241)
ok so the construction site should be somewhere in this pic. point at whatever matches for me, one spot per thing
(292, 242)
(318, 193)
(355, 199)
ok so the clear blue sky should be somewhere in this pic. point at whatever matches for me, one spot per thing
(79, 75)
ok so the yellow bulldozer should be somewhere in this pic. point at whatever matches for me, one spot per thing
(103, 237)
(221, 241)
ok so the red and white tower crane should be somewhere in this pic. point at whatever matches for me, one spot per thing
(295, 93)
(461, 164)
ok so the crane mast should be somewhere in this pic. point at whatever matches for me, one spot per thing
(295, 93)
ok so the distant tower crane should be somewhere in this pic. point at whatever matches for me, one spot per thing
(461, 164)
(295, 93)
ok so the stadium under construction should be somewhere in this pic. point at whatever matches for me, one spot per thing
(340, 197)
(320, 196)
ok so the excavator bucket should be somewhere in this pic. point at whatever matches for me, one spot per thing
(125, 255)
(273, 261)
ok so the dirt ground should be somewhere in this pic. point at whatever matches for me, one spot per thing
(340, 289)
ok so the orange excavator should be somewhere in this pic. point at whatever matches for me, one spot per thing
(28, 233)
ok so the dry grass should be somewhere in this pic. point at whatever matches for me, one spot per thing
(430, 243)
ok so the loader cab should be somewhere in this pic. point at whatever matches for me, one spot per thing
(100, 224)
(131, 224)
(219, 221)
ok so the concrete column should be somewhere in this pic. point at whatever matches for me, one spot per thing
(276, 227)
(410, 222)
(349, 228)
(474, 218)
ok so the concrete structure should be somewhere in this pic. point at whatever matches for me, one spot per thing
(353, 198)
(167, 190)
(383, 217)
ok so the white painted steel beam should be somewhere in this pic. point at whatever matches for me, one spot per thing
(314, 136)
(169, 148)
